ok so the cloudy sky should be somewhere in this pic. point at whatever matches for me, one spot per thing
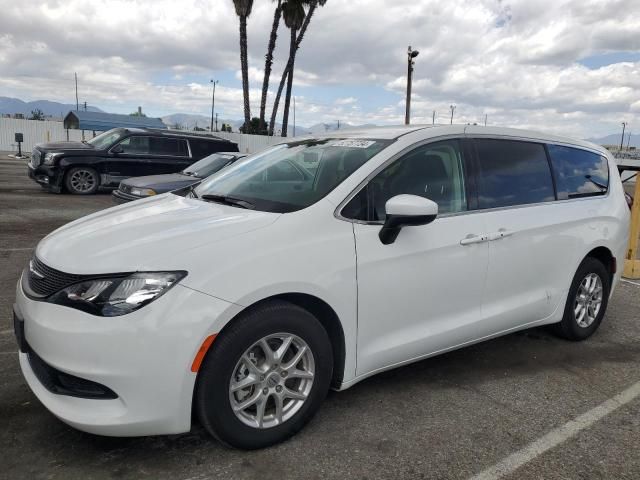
(566, 66)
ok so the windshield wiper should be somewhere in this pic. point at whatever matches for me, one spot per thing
(192, 190)
(226, 200)
(597, 184)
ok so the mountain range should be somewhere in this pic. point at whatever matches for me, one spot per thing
(614, 139)
(50, 109)
(190, 121)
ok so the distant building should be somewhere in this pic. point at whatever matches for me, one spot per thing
(100, 121)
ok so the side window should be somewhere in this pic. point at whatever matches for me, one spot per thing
(434, 171)
(512, 173)
(135, 145)
(174, 147)
(578, 173)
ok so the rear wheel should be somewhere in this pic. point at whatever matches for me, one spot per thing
(264, 377)
(82, 181)
(587, 301)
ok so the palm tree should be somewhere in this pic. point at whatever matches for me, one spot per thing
(243, 10)
(313, 4)
(268, 63)
(294, 15)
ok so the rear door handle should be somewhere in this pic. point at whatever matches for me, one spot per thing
(471, 239)
(502, 233)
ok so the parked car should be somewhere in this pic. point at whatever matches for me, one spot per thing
(107, 159)
(140, 187)
(246, 299)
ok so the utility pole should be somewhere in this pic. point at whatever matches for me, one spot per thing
(624, 125)
(433, 118)
(485, 119)
(77, 104)
(411, 54)
(338, 121)
(85, 106)
(216, 121)
(213, 105)
(453, 109)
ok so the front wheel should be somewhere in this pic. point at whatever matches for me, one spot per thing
(587, 301)
(82, 181)
(264, 377)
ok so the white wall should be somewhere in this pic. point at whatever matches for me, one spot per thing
(35, 132)
(249, 143)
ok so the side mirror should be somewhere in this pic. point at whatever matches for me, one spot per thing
(117, 149)
(406, 211)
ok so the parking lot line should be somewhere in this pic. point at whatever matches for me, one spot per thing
(16, 249)
(559, 435)
(629, 281)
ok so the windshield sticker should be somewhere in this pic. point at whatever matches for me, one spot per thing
(353, 143)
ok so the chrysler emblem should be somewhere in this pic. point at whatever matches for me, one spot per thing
(35, 272)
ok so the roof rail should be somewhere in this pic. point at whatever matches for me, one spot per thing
(183, 133)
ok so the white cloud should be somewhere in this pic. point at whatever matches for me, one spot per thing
(515, 60)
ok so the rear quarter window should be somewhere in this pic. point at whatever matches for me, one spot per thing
(173, 147)
(578, 173)
(201, 148)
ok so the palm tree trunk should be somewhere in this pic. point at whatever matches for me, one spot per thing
(269, 62)
(244, 65)
(289, 67)
(287, 97)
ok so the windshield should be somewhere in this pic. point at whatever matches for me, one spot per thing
(290, 176)
(106, 139)
(208, 165)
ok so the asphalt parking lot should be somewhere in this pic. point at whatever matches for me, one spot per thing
(448, 417)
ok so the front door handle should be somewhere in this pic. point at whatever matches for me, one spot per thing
(471, 239)
(502, 233)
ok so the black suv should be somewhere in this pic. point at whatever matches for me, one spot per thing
(105, 160)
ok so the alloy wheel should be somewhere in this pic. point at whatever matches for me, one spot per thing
(83, 181)
(588, 300)
(272, 380)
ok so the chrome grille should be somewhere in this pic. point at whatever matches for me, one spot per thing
(36, 158)
(45, 281)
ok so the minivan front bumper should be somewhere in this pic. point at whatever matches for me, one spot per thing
(143, 358)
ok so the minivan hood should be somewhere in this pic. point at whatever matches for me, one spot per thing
(64, 146)
(148, 234)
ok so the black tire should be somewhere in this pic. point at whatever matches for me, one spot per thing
(82, 181)
(211, 398)
(569, 328)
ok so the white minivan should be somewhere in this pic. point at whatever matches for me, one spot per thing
(313, 265)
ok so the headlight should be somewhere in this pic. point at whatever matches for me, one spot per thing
(50, 158)
(143, 192)
(110, 297)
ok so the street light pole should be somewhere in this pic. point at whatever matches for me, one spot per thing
(77, 105)
(411, 54)
(453, 109)
(213, 104)
(624, 125)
